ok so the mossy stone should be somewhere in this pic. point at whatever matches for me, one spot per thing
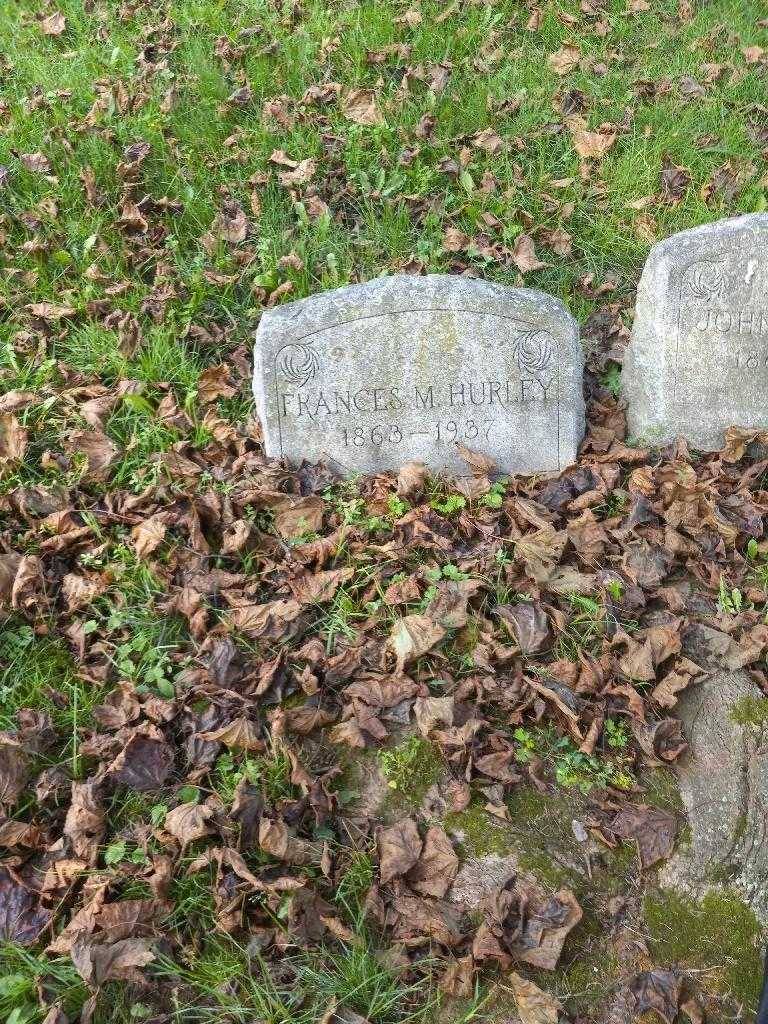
(719, 932)
(750, 711)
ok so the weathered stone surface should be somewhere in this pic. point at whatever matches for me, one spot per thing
(479, 877)
(371, 376)
(724, 786)
(698, 359)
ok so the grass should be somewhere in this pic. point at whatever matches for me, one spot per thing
(371, 228)
(225, 979)
(271, 772)
(194, 300)
(22, 971)
(353, 887)
(37, 672)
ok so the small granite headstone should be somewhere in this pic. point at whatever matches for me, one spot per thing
(371, 376)
(698, 359)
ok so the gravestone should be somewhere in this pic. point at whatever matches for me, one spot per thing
(371, 376)
(698, 359)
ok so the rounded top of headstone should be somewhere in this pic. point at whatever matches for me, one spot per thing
(397, 293)
(708, 233)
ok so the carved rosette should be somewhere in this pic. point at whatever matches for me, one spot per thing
(533, 351)
(298, 364)
(706, 280)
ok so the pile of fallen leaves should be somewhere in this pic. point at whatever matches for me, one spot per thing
(199, 646)
(250, 574)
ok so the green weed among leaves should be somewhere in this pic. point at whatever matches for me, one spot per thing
(730, 599)
(452, 504)
(494, 498)
(572, 767)
(37, 672)
(611, 380)
(224, 978)
(271, 772)
(354, 885)
(585, 627)
(411, 763)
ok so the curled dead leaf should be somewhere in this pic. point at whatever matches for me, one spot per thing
(399, 848)
(189, 822)
(241, 734)
(359, 105)
(533, 1005)
(413, 636)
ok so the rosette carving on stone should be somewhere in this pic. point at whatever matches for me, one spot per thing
(299, 364)
(706, 280)
(533, 350)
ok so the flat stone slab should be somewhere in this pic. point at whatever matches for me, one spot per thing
(723, 782)
(372, 376)
(698, 359)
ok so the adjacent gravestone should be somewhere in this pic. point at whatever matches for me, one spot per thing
(698, 359)
(371, 376)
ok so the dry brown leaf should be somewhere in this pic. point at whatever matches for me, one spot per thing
(78, 591)
(271, 620)
(240, 734)
(565, 59)
(38, 163)
(533, 1005)
(411, 479)
(150, 533)
(13, 439)
(54, 25)
(85, 823)
(413, 636)
(50, 311)
(320, 586)
(276, 840)
(524, 255)
(117, 961)
(303, 172)
(359, 105)
(431, 712)
(399, 849)
(656, 991)
(22, 919)
(593, 145)
(189, 822)
(437, 866)
(100, 452)
(653, 829)
(299, 517)
(143, 764)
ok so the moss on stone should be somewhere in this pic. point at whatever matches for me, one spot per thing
(546, 870)
(741, 825)
(526, 804)
(750, 711)
(719, 932)
(478, 832)
(584, 983)
(661, 789)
